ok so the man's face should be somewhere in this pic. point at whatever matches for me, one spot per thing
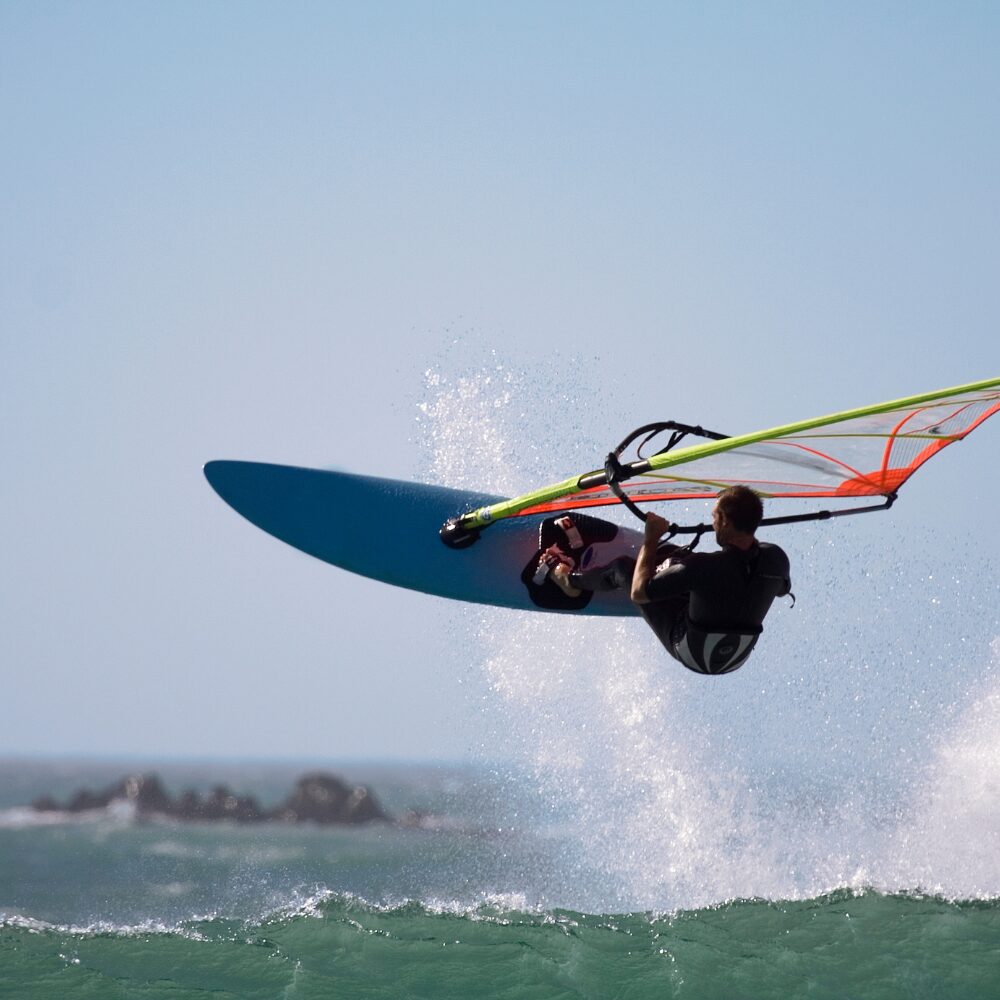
(719, 524)
(722, 525)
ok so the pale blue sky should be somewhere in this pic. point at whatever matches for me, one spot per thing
(246, 230)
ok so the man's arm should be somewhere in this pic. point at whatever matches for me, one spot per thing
(645, 566)
(773, 565)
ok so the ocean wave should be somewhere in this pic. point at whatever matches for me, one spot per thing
(846, 943)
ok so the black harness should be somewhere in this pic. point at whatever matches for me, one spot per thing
(717, 650)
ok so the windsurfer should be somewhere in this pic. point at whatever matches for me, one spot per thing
(706, 608)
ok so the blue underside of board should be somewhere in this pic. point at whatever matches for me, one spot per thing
(387, 529)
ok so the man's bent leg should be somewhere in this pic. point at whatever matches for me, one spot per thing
(662, 617)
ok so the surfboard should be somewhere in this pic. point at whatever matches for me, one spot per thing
(388, 530)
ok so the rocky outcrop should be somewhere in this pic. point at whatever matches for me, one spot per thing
(317, 798)
(324, 798)
(220, 803)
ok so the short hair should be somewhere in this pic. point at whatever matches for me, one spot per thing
(742, 508)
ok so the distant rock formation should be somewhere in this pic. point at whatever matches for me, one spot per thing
(324, 798)
(317, 798)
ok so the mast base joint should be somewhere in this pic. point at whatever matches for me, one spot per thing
(455, 536)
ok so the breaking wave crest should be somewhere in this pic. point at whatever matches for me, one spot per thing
(842, 944)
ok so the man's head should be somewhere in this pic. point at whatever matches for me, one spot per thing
(738, 512)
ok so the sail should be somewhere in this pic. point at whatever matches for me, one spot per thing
(866, 452)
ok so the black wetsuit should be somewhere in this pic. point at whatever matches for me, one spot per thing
(707, 608)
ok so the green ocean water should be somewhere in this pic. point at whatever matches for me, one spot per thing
(492, 895)
(838, 946)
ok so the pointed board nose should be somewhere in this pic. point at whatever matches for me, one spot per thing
(235, 482)
(386, 529)
(331, 515)
(220, 475)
